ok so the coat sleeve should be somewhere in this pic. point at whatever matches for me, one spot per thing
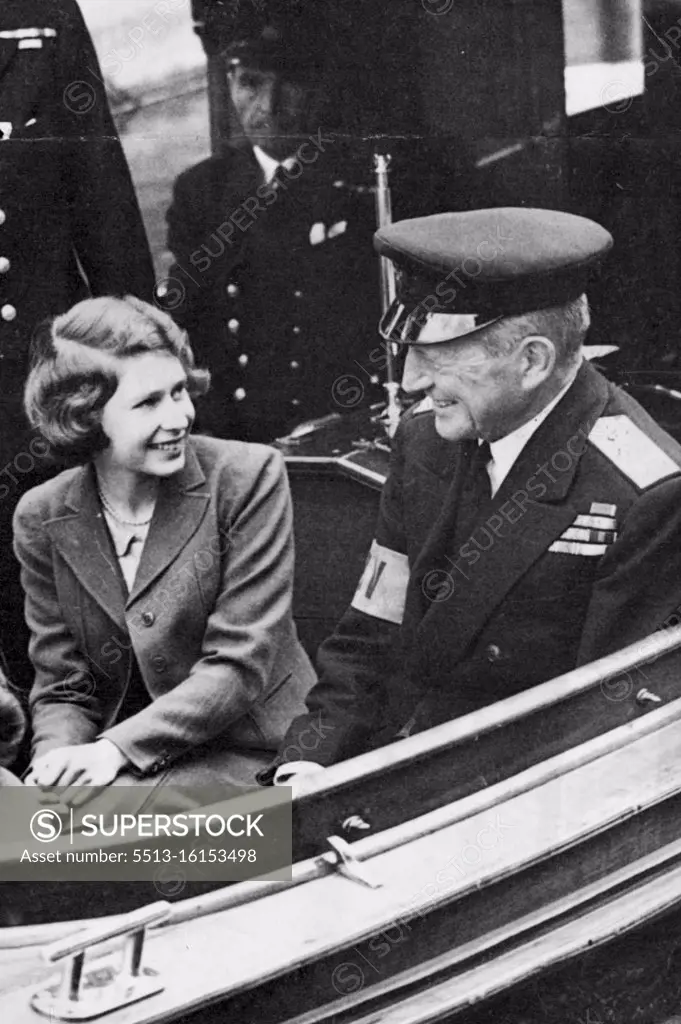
(108, 232)
(355, 664)
(12, 723)
(639, 585)
(181, 293)
(63, 700)
(204, 246)
(243, 632)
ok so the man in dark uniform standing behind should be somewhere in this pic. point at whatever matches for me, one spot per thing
(275, 276)
(69, 224)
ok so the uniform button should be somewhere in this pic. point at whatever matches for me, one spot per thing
(296, 329)
(159, 662)
(295, 401)
(4, 264)
(232, 290)
(243, 359)
(294, 364)
(3, 217)
(233, 326)
(239, 394)
(298, 294)
(8, 313)
(148, 618)
(493, 652)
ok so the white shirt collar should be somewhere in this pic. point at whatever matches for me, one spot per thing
(506, 450)
(269, 165)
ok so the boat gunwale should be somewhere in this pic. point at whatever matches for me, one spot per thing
(449, 734)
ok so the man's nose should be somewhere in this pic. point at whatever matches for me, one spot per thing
(267, 98)
(414, 377)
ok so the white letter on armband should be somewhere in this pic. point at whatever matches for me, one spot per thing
(382, 589)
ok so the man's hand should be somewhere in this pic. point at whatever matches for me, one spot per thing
(86, 764)
(297, 775)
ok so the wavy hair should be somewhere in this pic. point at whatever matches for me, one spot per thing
(75, 368)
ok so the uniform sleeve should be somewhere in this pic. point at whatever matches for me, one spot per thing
(180, 293)
(357, 661)
(639, 585)
(109, 235)
(63, 701)
(242, 636)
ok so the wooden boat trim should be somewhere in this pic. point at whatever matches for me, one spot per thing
(613, 919)
(372, 846)
(576, 908)
(496, 715)
(641, 775)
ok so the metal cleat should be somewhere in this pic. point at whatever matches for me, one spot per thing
(354, 821)
(113, 981)
(645, 696)
(348, 865)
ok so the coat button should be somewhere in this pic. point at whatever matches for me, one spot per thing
(148, 618)
(294, 364)
(295, 401)
(3, 217)
(159, 662)
(232, 290)
(233, 325)
(493, 652)
(239, 395)
(296, 329)
(8, 313)
(4, 264)
(243, 359)
(298, 294)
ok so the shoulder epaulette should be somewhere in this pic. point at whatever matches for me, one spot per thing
(632, 451)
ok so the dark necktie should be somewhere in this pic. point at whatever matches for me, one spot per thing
(278, 180)
(475, 493)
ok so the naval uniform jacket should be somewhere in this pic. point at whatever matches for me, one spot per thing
(279, 287)
(69, 218)
(208, 621)
(69, 225)
(577, 555)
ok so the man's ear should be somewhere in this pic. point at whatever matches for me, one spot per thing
(538, 354)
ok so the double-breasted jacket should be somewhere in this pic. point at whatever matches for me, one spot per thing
(577, 555)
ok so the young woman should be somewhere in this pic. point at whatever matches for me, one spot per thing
(157, 572)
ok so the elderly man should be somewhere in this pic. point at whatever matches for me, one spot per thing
(531, 521)
(274, 275)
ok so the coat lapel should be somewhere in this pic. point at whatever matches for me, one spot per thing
(180, 508)
(509, 556)
(82, 538)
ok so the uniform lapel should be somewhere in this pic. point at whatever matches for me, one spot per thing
(82, 538)
(179, 511)
(508, 556)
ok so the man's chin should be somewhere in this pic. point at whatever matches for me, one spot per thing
(453, 424)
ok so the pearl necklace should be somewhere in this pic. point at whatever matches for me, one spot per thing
(119, 519)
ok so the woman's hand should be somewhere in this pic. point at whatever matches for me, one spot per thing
(86, 764)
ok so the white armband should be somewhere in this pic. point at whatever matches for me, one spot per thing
(382, 590)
